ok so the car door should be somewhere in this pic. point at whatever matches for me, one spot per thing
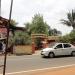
(58, 49)
(67, 49)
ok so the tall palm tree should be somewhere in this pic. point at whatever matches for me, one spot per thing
(70, 19)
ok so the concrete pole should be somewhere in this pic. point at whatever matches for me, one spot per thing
(4, 68)
(0, 7)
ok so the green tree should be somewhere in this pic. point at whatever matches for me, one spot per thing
(27, 28)
(70, 19)
(65, 38)
(54, 32)
(72, 36)
(22, 38)
(38, 25)
(69, 38)
(12, 26)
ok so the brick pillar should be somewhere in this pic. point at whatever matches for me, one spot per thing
(33, 47)
(45, 44)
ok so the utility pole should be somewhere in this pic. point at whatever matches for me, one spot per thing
(5, 55)
(0, 7)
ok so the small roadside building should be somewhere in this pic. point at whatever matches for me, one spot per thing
(3, 32)
(44, 40)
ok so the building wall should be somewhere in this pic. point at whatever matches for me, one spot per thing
(3, 32)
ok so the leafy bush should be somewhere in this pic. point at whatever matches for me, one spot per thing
(22, 38)
(69, 38)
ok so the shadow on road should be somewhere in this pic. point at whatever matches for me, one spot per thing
(59, 57)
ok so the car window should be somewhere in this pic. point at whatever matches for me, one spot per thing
(59, 46)
(67, 45)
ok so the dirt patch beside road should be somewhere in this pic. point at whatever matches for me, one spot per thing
(59, 71)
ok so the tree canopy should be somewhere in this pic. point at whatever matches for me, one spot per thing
(38, 25)
(12, 25)
(69, 38)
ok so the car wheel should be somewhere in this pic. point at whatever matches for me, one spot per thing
(73, 53)
(42, 56)
(51, 55)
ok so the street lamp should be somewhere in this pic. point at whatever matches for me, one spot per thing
(5, 56)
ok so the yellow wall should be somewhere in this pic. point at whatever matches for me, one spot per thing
(23, 49)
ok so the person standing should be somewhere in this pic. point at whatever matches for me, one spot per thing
(0, 46)
(3, 47)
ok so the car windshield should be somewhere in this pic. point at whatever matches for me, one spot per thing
(51, 45)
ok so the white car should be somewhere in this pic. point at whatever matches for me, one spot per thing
(58, 49)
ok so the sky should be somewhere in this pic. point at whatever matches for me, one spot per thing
(52, 10)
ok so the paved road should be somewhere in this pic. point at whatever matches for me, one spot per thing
(31, 62)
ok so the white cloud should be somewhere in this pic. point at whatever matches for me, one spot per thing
(52, 10)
